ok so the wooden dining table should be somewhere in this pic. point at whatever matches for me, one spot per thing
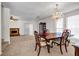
(53, 36)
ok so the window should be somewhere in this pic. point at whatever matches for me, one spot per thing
(59, 25)
(73, 24)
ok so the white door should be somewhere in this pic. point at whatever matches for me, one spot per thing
(26, 29)
(31, 29)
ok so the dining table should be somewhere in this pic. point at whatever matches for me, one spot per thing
(57, 35)
(53, 36)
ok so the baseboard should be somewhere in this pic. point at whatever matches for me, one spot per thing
(7, 41)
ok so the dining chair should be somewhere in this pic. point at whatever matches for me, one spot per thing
(69, 31)
(40, 43)
(62, 41)
(43, 36)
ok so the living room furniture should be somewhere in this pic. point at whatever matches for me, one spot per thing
(40, 43)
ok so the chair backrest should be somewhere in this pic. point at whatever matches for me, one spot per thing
(67, 30)
(64, 37)
(37, 37)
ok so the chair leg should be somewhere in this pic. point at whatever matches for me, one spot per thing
(65, 47)
(52, 45)
(35, 47)
(48, 48)
(68, 42)
(39, 51)
(61, 49)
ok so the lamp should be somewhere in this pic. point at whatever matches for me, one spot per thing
(57, 13)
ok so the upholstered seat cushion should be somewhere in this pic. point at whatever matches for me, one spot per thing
(44, 43)
(42, 39)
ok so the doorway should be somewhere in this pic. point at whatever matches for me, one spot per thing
(28, 29)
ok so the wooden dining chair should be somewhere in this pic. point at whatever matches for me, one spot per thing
(40, 43)
(69, 31)
(62, 41)
(43, 36)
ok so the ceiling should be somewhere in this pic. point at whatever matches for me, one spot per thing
(33, 10)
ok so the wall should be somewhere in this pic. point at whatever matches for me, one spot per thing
(5, 24)
(35, 25)
(22, 25)
(0, 28)
(17, 24)
(72, 13)
(50, 24)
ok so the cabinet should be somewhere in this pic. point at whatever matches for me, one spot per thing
(42, 28)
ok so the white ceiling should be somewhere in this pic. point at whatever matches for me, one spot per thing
(30, 10)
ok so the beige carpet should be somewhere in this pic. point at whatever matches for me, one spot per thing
(24, 46)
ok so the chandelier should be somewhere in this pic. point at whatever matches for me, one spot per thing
(57, 14)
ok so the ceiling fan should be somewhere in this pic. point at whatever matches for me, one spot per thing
(14, 18)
